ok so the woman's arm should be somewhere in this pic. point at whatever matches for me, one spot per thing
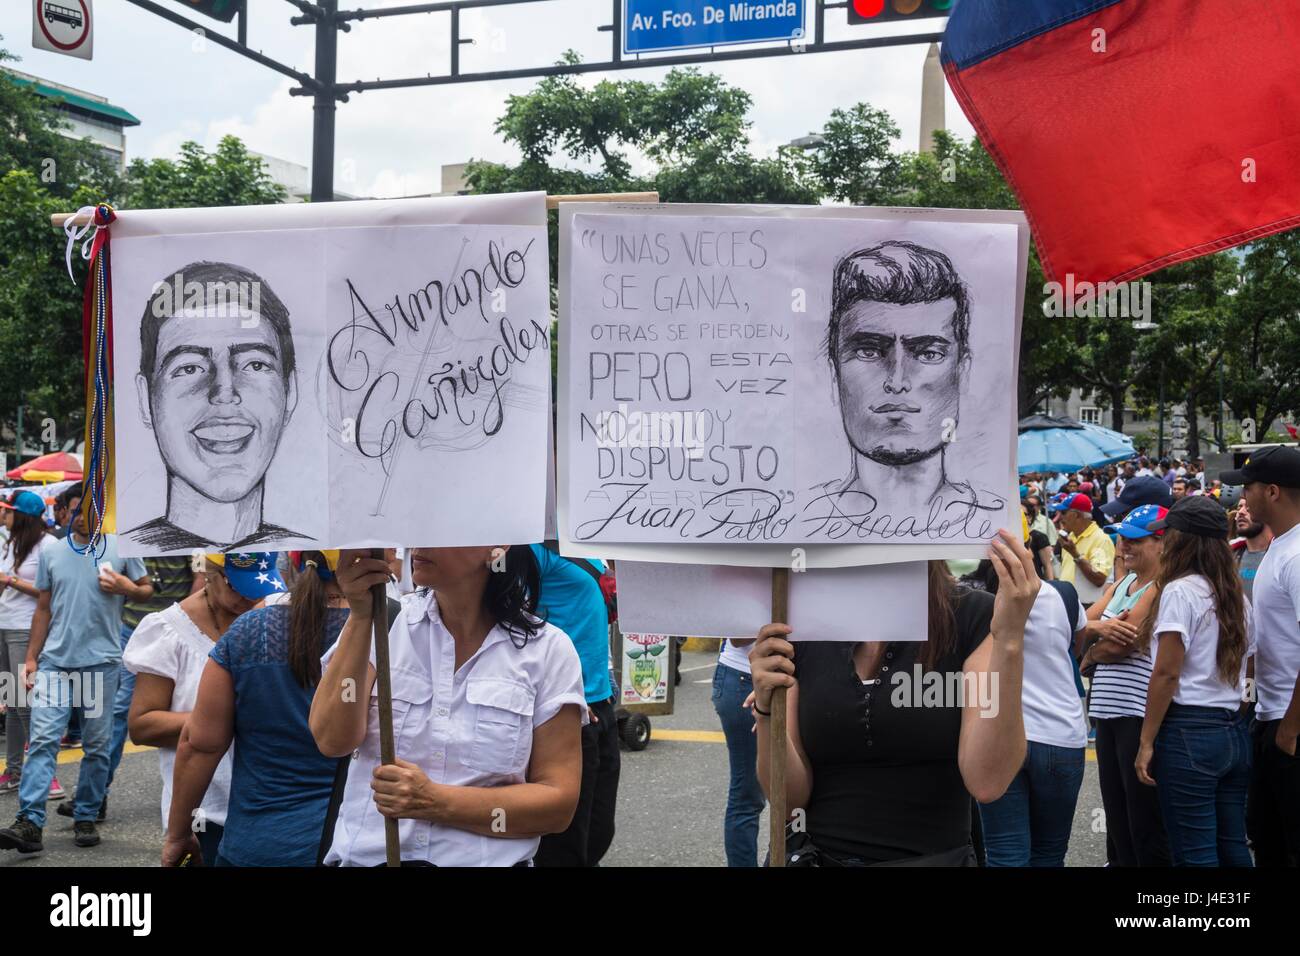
(341, 705)
(150, 721)
(543, 804)
(18, 584)
(772, 664)
(1097, 609)
(992, 746)
(204, 740)
(1115, 637)
(1160, 694)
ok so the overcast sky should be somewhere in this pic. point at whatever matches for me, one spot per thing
(393, 142)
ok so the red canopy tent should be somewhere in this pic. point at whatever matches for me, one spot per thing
(56, 466)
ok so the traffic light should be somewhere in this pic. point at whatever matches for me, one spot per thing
(223, 10)
(885, 11)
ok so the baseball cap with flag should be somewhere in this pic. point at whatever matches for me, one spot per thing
(1137, 524)
(252, 573)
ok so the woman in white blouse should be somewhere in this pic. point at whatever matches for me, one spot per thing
(167, 653)
(488, 707)
(1195, 746)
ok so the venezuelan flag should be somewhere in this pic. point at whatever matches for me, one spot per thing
(1136, 133)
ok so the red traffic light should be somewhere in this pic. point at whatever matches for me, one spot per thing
(880, 11)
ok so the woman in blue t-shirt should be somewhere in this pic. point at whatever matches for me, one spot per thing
(256, 693)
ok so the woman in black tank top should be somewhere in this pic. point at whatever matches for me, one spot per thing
(887, 743)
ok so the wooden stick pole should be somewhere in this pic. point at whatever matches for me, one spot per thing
(383, 679)
(776, 783)
(552, 202)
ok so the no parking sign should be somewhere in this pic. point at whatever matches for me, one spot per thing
(63, 26)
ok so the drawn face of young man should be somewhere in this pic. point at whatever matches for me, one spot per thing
(217, 400)
(899, 378)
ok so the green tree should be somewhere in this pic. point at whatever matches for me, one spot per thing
(692, 125)
(855, 162)
(960, 174)
(228, 176)
(42, 171)
(1262, 368)
(1190, 301)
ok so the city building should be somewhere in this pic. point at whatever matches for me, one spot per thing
(294, 177)
(87, 116)
(453, 180)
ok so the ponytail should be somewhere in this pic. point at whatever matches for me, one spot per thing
(307, 614)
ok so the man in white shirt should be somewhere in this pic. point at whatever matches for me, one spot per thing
(1271, 478)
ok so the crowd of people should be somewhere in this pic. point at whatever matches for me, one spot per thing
(252, 675)
(1164, 627)
(1147, 609)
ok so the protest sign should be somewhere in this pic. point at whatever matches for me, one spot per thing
(877, 603)
(747, 379)
(350, 375)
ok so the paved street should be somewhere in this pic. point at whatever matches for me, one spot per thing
(671, 799)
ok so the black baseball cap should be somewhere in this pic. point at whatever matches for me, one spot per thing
(1147, 490)
(1274, 465)
(1196, 514)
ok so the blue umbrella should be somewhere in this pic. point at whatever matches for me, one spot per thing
(1063, 444)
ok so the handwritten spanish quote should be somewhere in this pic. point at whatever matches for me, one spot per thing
(765, 380)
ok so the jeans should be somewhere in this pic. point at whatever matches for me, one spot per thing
(591, 831)
(1134, 830)
(744, 795)
(1202, 771)
(13, 652)
(1029, 825)
(121, 707)
(52, 703)
(1273, 809)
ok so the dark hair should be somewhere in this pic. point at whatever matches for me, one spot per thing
(941, 639)
(1185, 554)
(899, 273)
(64, 497)
(510, 596)
(27, 534)
(212, 276)
(983, 578)
(307, 613)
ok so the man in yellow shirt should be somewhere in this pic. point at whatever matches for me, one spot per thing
(1087, 553)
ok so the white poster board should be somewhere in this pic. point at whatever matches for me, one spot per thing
(336, 375)
(884, 602)
(705, 416)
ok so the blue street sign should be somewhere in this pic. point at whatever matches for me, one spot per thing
(679, 24)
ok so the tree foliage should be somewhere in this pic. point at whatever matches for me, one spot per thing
(44, 171)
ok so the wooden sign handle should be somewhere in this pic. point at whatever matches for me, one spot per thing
(384, 681)
(57, 219)
(776, 781)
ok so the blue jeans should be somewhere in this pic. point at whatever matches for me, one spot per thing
(744, 795)
(121, 707)
(1030, 824)
(52, 703)
(1201, 767)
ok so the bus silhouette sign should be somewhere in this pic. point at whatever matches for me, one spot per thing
(62, 26)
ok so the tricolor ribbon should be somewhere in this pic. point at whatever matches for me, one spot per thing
(97, 338)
